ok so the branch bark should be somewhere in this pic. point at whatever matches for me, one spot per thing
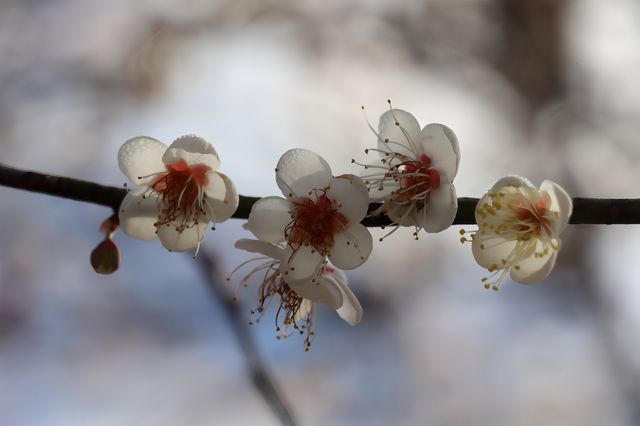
(586, 211)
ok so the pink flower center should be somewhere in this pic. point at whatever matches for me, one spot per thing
(533, 218)
(315, 223)
(417, 179)
(181, 192)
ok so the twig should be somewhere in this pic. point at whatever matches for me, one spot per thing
(63, 187)
(586, 211)
(237, 320)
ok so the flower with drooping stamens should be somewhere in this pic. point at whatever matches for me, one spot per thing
(319, 218)
(519, 230)
(179, 191)
(297, 299)
(413, 177)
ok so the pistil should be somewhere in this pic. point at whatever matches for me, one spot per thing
(181, 194)
(314, 223)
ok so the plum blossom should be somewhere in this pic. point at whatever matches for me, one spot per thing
(414, 174)
(179, 191)
(518, 230)
(298, 300)
(319, 217)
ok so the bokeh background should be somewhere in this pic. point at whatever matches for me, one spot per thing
(542, 88)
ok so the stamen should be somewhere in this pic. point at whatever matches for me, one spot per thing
(314, 223)
(515, 214)
(181, 195)
(414, 149)
(288, 317)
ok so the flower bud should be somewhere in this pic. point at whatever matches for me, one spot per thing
(105, 258)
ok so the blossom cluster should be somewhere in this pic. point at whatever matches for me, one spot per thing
(305, 238)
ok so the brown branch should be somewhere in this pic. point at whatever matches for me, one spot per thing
(63, 187)
(608, 211)
(260, 376)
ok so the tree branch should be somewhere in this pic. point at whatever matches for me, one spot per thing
(63, 187)
(608, 211)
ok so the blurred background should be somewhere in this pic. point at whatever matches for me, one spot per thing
(542, 88)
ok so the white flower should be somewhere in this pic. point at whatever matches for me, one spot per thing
(519, 228)
(297, 298)
(413, 178)
(319, 218)
(178, 191)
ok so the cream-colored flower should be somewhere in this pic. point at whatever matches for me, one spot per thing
(179, 191)
(519, 229)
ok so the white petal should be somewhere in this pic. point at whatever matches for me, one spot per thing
(351, 310)
(352, 247)
(188, 239)
(141, 156)
(216, 187)
(491, 251)
(511, 180)
(401, 214)
(402, 137)
(301, 264)
(193, 150)
(441, 210)
(486, 199)
(534, 269)
(260, 247)
(221, 197)
(560, 202)
(138, 216)
(299, 171)
(336, 274)
(351, 196)
(303, 311)
(440, 144)
(322, 291)
(268, 218)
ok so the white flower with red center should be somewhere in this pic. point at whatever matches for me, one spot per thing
(413, 177)
(179, 191)
(518, 230)
(297, 299)
(319, 218)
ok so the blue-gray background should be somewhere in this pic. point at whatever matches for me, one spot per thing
(546, 89)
